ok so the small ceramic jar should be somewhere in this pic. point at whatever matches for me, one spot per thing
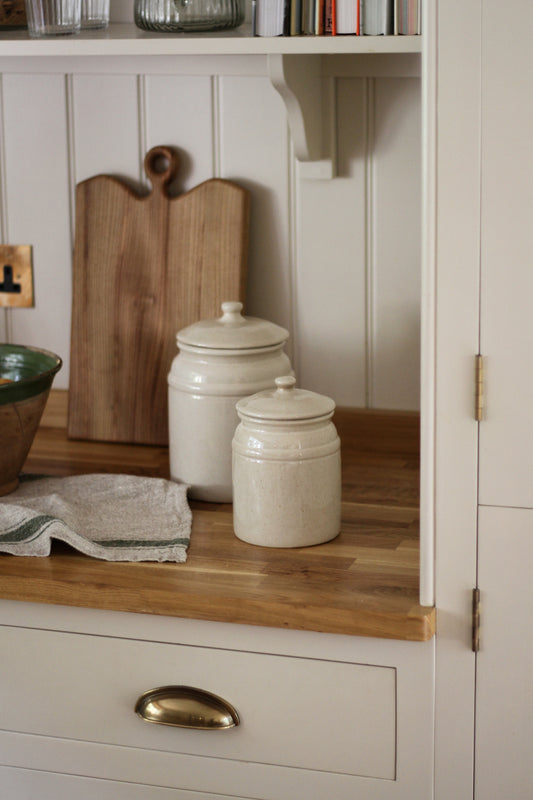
(219, 362)
(286, 468)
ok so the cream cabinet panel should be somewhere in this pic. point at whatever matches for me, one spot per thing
(506, 434)
(312, 714)
(456, 50)
(69, 707)
(26, 784)
(504, 700)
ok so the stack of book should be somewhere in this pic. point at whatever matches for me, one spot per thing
(336, 17)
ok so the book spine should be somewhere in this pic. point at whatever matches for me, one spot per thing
(347, 16)
(308, 17)
(319, 17)
(269, 17)
(287, 18)
(296, 17)
(407, 17)
(328, 17)
(378, 17)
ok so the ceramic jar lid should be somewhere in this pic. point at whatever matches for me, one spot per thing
(233, 331)
(285, 402)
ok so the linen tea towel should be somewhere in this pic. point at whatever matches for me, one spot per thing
(111, 517)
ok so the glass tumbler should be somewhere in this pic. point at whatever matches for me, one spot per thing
(53, 17)
(188, 15)
(94, 14)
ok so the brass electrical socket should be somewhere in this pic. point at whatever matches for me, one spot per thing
(16, 276)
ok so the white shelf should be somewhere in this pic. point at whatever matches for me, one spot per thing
(128, 40)
(293, 63)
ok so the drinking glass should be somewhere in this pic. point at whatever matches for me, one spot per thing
(53, 17)
(94, 14)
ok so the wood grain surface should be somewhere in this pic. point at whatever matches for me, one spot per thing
(144, 267)
(364, 582)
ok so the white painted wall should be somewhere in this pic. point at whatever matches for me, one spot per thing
(337, 262)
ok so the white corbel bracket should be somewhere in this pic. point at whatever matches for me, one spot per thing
(309, 98)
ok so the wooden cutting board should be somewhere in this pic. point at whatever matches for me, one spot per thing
(144, 267)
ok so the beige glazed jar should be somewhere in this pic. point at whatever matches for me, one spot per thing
(219, 362)
(286, 468)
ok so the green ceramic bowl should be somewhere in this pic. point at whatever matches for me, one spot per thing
(30, 369)
(28, 372)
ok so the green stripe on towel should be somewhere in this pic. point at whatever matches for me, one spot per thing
(141, 542)
(28, 530)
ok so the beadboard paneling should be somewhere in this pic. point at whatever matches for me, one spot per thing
(331, 262)
(336, 262)
(395, 196)
(178, 110)
(121, 10)
(106, 128)
(37, 191)
(254, 151)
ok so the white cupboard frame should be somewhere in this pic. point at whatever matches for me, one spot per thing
(451, 64)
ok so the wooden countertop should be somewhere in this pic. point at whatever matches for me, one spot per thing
(365, 582)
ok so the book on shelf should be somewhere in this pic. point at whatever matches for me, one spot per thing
(407, 17)
(295, 18)
(318, 17)
(320, 6)
(377, 17)
(348, 16)
(331, 17)
(272, 17)
(304, 17)
(330, 21)
(308, 17)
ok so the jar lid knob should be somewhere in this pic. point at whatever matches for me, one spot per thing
(285, 384)
(231, 312)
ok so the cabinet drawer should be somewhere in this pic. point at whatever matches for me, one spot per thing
(295, 712)
(29, 784)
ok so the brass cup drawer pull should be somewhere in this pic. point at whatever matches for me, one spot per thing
(186, 707)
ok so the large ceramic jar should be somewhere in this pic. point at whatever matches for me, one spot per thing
(219, 362)
(286, 468)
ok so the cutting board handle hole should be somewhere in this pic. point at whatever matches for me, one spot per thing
(161, 164)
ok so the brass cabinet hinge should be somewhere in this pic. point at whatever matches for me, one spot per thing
(476, 620)
(479, 393)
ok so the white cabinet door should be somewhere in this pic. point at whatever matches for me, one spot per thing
(504, 694)
(504, 707)
(506, 434)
